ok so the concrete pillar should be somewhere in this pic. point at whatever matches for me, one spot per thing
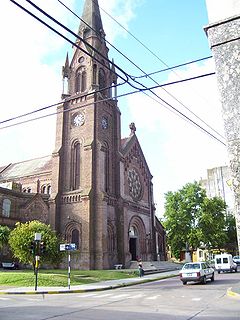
(223, 33)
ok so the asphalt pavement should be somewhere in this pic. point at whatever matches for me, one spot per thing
(107, 285)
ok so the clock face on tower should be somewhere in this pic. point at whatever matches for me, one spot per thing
(79, 119)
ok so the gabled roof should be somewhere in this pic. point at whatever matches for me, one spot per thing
(26, 168)
(128, 143)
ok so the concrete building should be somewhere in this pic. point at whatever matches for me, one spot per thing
(97, 185)
(219, 184)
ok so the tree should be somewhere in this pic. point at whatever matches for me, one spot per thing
(181, 215)
(21, 237)
(192, 219)
(231, 234)
(212, 223)
(4, 235)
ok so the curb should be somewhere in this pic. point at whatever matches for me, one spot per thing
(110, 287)
(231, 293)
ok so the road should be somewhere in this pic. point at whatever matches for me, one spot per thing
(165, 299)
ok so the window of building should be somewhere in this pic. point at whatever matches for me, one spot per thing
(94, 74)
(29, 190)
(44, 189)
(80, 80)
(49, 189)
(111, 238)
(75, 166)
(106, 169)
(75, 237)
(102, 79)
(6, 208)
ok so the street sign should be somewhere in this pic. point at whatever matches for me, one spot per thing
(68, 247)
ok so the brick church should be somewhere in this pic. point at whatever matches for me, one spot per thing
(96, 188)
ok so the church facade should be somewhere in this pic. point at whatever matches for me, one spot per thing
(96, 188)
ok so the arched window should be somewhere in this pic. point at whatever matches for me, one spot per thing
(44, 188)
(29, 190)
(75, 237)
(94, 74)
(77, 82)
(102, 80)
(106, 167)
(111, 239)
(6, 208)
(84, 81)
(81, 80)
(75, 166)
(49, 189)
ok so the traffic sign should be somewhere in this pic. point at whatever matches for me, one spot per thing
(68, 247)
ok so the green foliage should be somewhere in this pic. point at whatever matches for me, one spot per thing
(21, 237)
(4, 235)
(231, 234)
(212, 223)
(191, 219)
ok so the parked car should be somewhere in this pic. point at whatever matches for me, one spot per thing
(197, 272)
(236, 259)
(224, 262)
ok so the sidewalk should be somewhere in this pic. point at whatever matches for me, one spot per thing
(98, 286)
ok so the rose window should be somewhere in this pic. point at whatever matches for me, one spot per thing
(134, 183)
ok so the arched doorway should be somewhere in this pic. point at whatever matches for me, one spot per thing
(137, 239)
(133, 243)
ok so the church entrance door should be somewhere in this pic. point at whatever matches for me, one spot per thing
(133, 248)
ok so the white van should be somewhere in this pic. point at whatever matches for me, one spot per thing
(224, 262)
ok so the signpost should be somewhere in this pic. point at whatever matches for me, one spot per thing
(68, 247)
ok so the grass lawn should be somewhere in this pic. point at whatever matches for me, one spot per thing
(59, 278)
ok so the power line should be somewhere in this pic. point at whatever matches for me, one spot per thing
(145, 74)
(56, 104)
(100, 90)
(148, 75)
(138, 89)
(173, 67)
(73, 43)
(110, 98)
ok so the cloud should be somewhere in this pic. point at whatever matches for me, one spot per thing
(31, 60)
(181, 152)
(122, 11)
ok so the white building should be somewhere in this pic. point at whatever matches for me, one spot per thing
(219, 184)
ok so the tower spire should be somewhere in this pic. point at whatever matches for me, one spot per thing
(91, 16)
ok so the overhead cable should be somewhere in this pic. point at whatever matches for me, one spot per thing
(139, 89)
(145, 74)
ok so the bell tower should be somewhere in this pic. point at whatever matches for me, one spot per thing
(85, 179)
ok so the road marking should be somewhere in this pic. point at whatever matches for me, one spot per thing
(196, 299)
(152, 298)
(136, 296)
(87, 295)
(105, 295)
(5, 298)
(119, 296)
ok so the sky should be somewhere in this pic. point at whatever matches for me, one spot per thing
(160, 33)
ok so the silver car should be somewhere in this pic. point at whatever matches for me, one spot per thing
(197, 272)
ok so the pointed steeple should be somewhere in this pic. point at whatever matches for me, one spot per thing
(66, 68)
(92, 18)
